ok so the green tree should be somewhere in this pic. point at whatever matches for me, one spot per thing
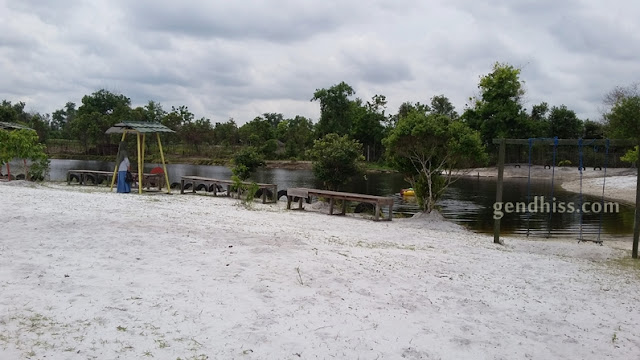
(256, 132)
(593, 130)
(539, 120)
(196, 133)
(226, 133)
(335, 109)
(564, 123)
(154, 112)
(367, 127)
(427, 148)
(297, 136)
(98, 112)
(24, 144)
(246, 161)
(335, 160)
(441, 105)
(60, 120)
(41, 124)
(498, 113)
(623, 120)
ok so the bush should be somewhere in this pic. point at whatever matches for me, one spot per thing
(335, 160)
(564, 163)
(246, 161)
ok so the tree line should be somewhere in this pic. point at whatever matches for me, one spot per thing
(427, 141)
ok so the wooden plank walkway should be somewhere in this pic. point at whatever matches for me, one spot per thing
(378, 201)
(193, 180)
(93, 176)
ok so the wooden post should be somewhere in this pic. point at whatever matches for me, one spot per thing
(636, 223)
(164, 166)
(289, 198)
(115, 168)
(496, 225)
(331, 206)
(378, 210)
(140, 179)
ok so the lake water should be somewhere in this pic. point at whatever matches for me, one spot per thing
(469, 201)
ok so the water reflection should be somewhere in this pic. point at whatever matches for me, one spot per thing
(469, 201)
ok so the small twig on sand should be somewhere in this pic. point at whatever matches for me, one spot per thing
(299, 276)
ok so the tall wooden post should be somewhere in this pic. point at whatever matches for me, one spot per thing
(140, 174)
(496, 225)
(636, 223)
(115, 168)
(164, 166)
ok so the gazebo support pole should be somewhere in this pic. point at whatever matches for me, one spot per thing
(164, 166)
(142, 145)
(140, 178)
(115, 168)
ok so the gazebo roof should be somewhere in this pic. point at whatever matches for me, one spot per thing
(139, 126)
(12, 126)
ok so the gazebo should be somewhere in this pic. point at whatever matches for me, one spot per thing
(141, 129)
(13, 126)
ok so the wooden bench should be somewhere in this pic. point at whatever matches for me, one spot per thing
(208, 182)
(84, 175)
(304, 193)
(94, 175)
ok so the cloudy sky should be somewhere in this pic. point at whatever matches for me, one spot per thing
(242, 58)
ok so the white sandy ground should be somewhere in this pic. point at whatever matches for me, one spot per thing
(618, 188)
(620, 183)
(87, 274)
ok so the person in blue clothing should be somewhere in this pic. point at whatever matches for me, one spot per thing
(123, 166)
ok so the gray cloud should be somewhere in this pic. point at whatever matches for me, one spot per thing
(229, 59)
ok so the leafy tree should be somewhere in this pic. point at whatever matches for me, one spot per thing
(335, 160)
(539, 120)
(426, 148)
(404, 110)
(61, 119)
(335, 109)
(498, 113)
(246, 161)
(441, 105)
(367, 127)
(296, 134)
(24, 144)
(564, 123)
(623, 120)
(41, 124)
(273, 118)
(154, 112)
(226, 133)
(98, 112)
(197, 133)
(256, 132)
(175, 120)
(593, 130)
